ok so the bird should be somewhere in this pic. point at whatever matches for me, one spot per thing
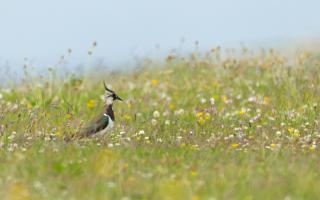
(106, 119)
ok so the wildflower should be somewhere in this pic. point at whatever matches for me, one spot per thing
(68, 116)
(201, 121)
(29, 106)
(141, 132)
(207, 116)
(199, 114)
(252, 99)
(171, 106)
(242, 111)
(127, 117)
(154, 82)
(234, 145)
(165, 113)
(203, 100)
(265, 100)
(179, 112)
(1, 96)
(212, 101)
(291, 130)
(110, 145)
(313, 147)
(294, 132)
(58, 134)
(154, 122)
(156, 114)
(272, 145)
(167, 122)
(224, 98)
(90, 104)
(193, 173)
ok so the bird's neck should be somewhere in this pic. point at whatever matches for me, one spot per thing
(109, 111)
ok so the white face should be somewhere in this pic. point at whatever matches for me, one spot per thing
(108, 98)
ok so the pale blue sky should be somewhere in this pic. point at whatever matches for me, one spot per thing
(43, 30)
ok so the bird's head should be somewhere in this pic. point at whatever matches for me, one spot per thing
(110, 95)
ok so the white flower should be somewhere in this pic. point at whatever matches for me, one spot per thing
(252, 99)
(179, 112)
(156, 114)
(1, 96)
(167, 122)
(141, 132)
(165, 113)
(212, 101)
(203, 100)
(154, 122)
(110, 145)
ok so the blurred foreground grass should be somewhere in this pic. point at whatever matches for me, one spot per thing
(197, 127)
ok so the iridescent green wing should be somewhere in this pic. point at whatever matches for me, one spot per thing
(97, 126)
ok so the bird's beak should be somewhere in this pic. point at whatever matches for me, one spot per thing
(119, 98)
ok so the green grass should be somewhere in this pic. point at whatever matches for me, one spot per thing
(194, 128)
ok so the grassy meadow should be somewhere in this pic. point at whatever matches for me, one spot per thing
(222, 124)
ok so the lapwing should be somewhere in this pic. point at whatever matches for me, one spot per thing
(105, 120)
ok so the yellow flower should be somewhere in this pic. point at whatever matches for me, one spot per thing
(265, 100)
(294, 132)
(58, 134)
(242, 111)
(207, 116)
(224, 98)
(29, 105)
(291, 130)
(193, 173)
(154, 82)
(234, 145)
(201, 121)
(127, 117)
(312, 148)
(199, 114)
(68, 116)
(90, 104)
(171, 106)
